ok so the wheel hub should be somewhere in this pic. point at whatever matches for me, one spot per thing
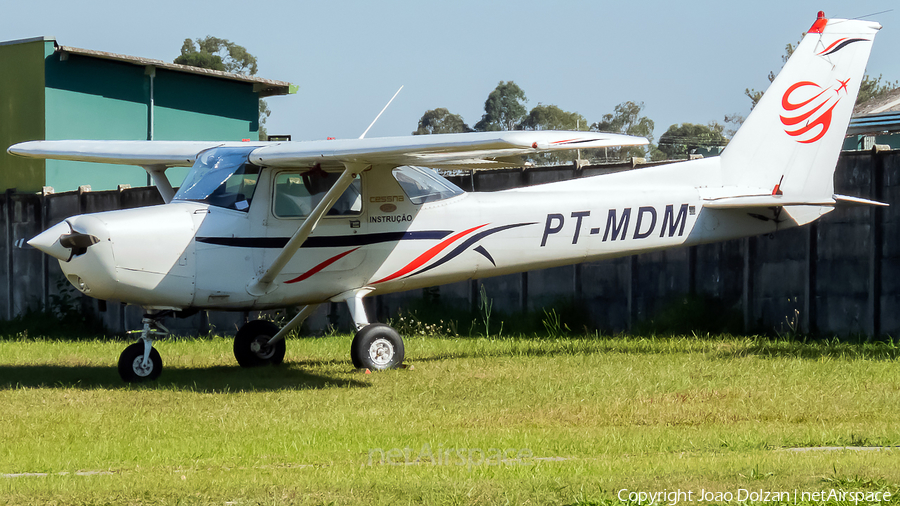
(260, 346)
(381, 352)
(140, 369)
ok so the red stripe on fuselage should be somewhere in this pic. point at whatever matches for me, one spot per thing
(428, 255)
(321, 266)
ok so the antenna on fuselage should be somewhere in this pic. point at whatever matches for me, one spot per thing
(382, 112)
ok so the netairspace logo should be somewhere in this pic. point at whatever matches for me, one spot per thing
(742, 495)
(461, 457)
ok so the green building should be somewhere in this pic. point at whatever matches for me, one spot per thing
(53, 92)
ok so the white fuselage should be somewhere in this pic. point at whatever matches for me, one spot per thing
(194, 255)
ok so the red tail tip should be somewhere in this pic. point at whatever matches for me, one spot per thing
(820, 23)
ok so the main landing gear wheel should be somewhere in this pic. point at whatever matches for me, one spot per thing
(377, 347)
(251, 348)
(131, 364)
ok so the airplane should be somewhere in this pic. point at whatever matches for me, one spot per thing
(269, 225)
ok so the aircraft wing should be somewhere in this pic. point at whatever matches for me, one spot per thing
(464, 150)
(143, 153)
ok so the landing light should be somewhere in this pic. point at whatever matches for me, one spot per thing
(79, 283)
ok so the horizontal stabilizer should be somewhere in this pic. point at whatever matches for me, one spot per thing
(763, 201)
(848, 201)
(749, 201)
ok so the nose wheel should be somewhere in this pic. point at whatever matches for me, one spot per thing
(140, 361)
(133, 368)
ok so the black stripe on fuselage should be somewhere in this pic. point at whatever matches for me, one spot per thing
(337, 241)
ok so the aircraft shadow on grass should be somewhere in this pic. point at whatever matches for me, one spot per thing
(813, 350)
(216, 379)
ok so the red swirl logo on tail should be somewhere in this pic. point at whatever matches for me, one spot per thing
(808, 109)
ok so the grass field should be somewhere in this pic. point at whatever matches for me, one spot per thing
(476, 421)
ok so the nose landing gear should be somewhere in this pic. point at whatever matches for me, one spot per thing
(140, 361)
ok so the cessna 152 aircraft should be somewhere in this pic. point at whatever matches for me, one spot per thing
(259, 226)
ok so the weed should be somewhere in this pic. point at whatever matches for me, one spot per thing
(409, 324)
(486, 306)
(755, 474)
(553, 324)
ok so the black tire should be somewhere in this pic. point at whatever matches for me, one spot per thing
(377, 347)
(250, 348)
(131, 364)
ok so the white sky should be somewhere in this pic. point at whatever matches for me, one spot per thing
(688, 61)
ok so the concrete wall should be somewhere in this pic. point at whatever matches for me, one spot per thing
(839, 276)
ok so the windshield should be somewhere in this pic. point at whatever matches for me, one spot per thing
(423, 185)
(221, 177)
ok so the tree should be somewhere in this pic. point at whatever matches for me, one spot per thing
(626, 119)
(734, 122)
(551, 117)
(869, 88)
(217, 54)
(220, 54)
(872, 88)
(503, 109)
(680, 140)
(441, 121)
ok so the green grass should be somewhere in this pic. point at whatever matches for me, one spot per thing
(580, 419)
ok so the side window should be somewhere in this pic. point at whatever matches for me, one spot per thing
(297, 194)
(423, 185)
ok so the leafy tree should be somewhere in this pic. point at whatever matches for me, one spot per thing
(680, 140)
(441, 121)
(220, 54)
(503, 109)
(869, 88)
(551, 117)
(734, 121)
(627, 119)
(217, 54)
(264, 113)
(873, 88)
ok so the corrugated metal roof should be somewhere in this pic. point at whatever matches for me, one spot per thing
(877, 115)
(889, 102)
(265, 87)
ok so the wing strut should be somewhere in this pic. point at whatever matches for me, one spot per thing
(264, 284)
(158, 174)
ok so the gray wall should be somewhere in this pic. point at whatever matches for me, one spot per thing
(841, 275)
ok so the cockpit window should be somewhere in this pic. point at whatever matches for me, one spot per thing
(297, 194)
(221, 177)
(423, 185)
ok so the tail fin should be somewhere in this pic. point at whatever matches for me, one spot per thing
(791, 141)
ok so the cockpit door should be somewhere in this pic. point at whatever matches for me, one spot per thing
(335, 246)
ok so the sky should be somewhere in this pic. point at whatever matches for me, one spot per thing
(687, 61)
